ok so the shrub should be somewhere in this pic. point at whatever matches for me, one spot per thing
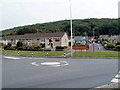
(9, 44)
(20, 48)
(59, 47)
(110, 45)
(6, 47)
(2, 44)
(117, 46)
(31, 47)
(19, 44)
(12, 48)
(118, 43)
(105, 45)
(37, 47)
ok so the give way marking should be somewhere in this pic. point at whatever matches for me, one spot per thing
(11, 57)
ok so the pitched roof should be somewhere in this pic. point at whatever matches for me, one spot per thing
(35, 35)
(0, 38)
(104, 36)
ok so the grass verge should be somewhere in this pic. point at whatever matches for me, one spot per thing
(29, 53)
(97, 54)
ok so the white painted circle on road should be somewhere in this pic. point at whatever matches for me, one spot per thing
(54, 64)
(50, 63)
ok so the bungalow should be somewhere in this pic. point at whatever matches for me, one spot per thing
(104, 37)
(0, 39)
(114, 39)
(47, 39)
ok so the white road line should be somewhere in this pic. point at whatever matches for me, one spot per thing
(117, 76)
(114, 80)
(36, 58)
(55, 64)
(11, 57)
(34, 63)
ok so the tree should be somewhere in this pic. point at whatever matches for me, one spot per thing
(84, 34)
(19, 44)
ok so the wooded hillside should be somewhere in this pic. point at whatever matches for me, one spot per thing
(102, 26)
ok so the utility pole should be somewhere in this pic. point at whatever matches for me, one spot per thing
(71, 27)
(93, 39)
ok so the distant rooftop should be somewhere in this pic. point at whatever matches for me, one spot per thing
(60, 34)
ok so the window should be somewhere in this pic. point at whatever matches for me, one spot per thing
(34, 40)
(57, 40)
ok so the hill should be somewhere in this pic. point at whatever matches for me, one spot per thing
(102, 26)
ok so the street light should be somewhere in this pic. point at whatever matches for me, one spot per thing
(71, 24)
(93, 39)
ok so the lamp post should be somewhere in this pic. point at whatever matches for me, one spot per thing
(93, 39)
(71, 25)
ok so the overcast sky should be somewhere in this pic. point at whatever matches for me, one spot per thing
(24, 12)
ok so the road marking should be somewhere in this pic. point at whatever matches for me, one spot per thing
(36, 58)
(11, 57)
(117, 76)
(53, 64)
(34, 63)
(50, 63)
(114, 80)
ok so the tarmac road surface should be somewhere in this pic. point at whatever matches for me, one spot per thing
(28, 72)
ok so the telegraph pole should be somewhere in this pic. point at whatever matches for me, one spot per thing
(93, 39)
(71, 27)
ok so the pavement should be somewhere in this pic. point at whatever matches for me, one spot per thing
(94, 47)
(34, 72)
(98, 48)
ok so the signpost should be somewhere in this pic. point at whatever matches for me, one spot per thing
(81, 47)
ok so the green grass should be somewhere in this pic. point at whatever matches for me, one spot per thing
(29, 53)
(97, 54)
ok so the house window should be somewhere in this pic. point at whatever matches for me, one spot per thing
(50, 40)
(65, 40)
(57, 40)
(34, 40)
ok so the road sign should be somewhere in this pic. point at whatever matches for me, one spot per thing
(80, 46)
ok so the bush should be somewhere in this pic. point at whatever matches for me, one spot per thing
(6, 47)
(110, 45)
(31, 47)
(118, 43)
(37, 47)
(20, 48)
(9, 44)
(12, 48)
(59, 47)
(117, 46)
(2, 44)
(19, 44)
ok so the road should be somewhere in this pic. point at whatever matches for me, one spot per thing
(28, 72)
(0, 72)
(98, 48)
